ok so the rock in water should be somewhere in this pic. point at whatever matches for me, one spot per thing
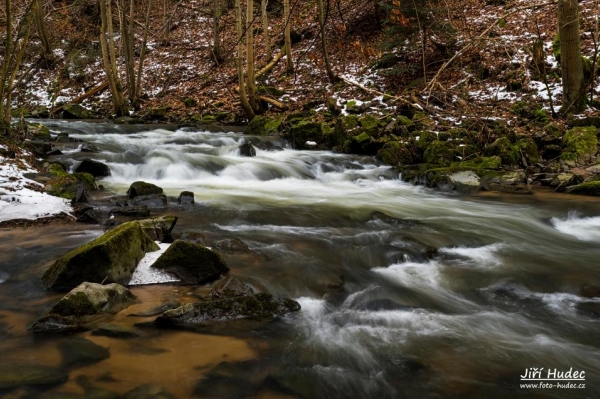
(247, 150)
(159, 229)
(87, 299)
(94, 168)
(259, 305)
(20, 375)
(150, 200)
(142, 188)
(231, 287)
(231, 246)
(110, 258)
(191, 263)
(186, 198)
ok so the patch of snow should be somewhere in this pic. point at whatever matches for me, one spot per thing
(145, 274)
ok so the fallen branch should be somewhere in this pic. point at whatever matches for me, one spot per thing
(273, 102)
(92, 92)
(271, 64)
(415, 104)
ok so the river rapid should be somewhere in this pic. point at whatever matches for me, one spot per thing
(405, 292)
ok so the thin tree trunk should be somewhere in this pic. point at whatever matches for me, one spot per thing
(138, 83)
(250, 68)
(43, 32)
(127, 40)
(240, 56)
(570, 54)
(109, 58)
(265, 26)
(287, 36)
(322, 15)
(216, 9)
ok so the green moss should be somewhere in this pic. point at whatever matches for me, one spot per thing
(587, 188)
(405, 121)
(580, 144)
(440, 153)
(350, 122)
(556, 47)
(395, 153)
(503, 148)
(77, 304)
(369, 124)
(189, 102)
(528, 150)
(305, 130)
(111, 257)
(478, 164)
(361, 138)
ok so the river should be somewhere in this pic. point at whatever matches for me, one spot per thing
(405, 292)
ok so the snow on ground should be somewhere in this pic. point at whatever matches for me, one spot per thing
(19, 196)
(144, 274)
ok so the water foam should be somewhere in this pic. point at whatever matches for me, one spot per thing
(582, 228)
(480, 256)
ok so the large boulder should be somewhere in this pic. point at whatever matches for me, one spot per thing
(94, 168)
(580, 143)
(258, 305)
(110, 258)
(142, 188)
(191, 263)
(87, 299)
(76, 111)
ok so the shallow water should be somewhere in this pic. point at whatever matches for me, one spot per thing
(381, 315)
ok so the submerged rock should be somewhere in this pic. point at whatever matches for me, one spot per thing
(110, 258)
(259, 305)
(22, 375)
(231, 246)
(151, 200)
(142, 188)
(247, 150)
(114, 331)
(87, 299)
(191, 263)
(231, 287)
(79, 352)
(148, 391)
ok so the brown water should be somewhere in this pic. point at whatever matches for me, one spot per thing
(379, 318)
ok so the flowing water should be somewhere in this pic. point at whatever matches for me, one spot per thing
(405, 292)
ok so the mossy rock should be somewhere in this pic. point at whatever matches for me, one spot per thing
(364, 144)
(189, 102)
(304, 131)
(395, 153)
(76, 111)
(528, 150)
(110, 258)
(159, 228)
(423, 121)
(264, 126)
(39, 132)
(440, 153)
(491, 163)
(156, 113)
(191, 263)
(208, 119)
(332, 106)
(369, 124)
(580, 144)
(202, 313)
(503, 148)
(553, 129)
(587, 188)
(423, 138)
(272, 127)
(350, 122)
(66, 185)
(585, 121)
(405, 121)
(140, 188)
(87, 299)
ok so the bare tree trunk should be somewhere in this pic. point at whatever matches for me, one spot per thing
(43, 32)
(109, 57)
(216, 10)
(322, 15)
(127, 40)
(138, 83)
(265, 26)
(250, 68)
(287, 36)
(240, 57)
(570, 54)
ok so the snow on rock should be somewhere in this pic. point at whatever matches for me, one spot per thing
(19, 198)
(144, 274)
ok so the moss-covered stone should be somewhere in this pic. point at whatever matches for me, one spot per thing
(580, 144)
(258, 305)
(404, 120)
(191, 263)
(305, 130)
(503, 148)
(369, 124)
(76, 111)
(423, 138)
(231, 287)
(491, 163)
(39, 132)
(553, 129)
(189, 102)
(159, 228)
(423, 121)
(66, 185)
(396, 153)
(140, 188)
(440, 153)
(587, 188)
(87, 299)
(110, 258)
(528, 150)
